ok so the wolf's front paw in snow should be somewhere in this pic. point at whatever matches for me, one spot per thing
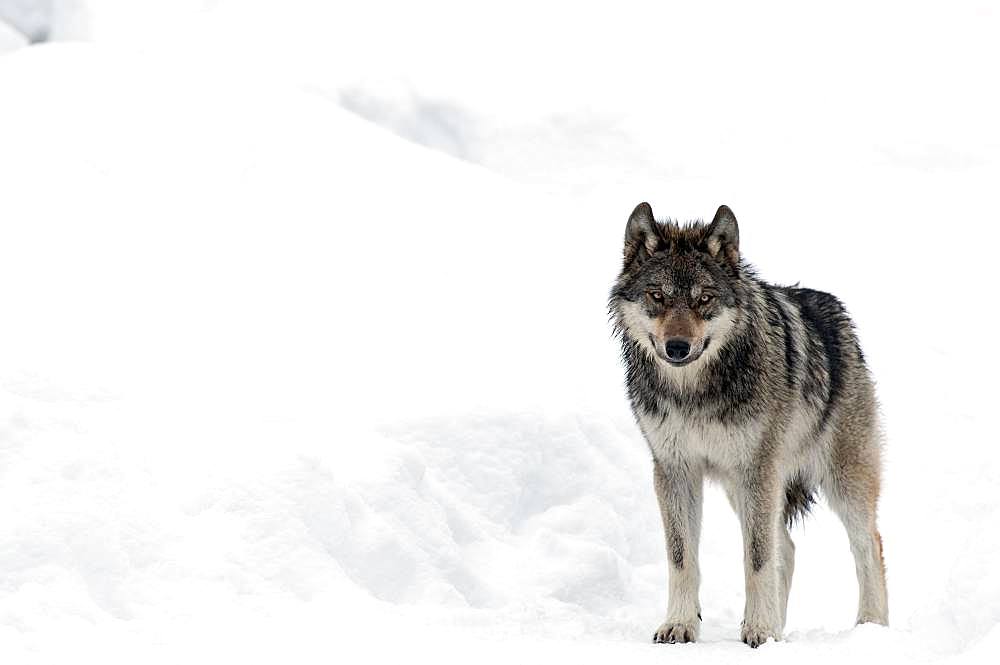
(754, 636)
(672, 632)
(877, 619)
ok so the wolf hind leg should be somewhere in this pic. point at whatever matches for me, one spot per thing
(852, 491)
(866, 546)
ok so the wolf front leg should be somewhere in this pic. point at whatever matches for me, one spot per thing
(760, 510)
(679, 493)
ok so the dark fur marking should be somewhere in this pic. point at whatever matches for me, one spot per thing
(825, 316)
(758, 550)
(799, 500)
(677, 551)
(731, 391)
(791, 359)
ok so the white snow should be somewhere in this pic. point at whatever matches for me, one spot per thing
(10, 38)
(280, 383)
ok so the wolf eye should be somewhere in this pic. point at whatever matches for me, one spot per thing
(705, 297)
(655, 295)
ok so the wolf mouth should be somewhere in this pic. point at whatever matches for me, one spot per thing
(678, 363)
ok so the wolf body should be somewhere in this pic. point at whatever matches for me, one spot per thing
(762, 388)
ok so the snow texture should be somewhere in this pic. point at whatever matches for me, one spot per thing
(305, 358)
(10, 38)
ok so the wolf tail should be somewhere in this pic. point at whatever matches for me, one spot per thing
(799, 500)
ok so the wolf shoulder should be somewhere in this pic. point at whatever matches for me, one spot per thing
(816, 306)
(823, 316)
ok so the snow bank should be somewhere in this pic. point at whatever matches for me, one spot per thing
(10, 38)
(193, 372)
(26, 17)
(278, 384)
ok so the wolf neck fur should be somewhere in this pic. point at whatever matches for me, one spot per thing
(724, 385)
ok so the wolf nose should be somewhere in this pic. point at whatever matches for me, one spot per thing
(677, 348)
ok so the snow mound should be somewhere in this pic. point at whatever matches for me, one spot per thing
(10, 38)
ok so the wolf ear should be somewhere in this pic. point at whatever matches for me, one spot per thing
(640, 234)
(724, 235)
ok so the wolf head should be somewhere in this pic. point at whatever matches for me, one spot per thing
(678, 295)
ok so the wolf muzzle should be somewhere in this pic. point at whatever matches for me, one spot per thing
(679, 351)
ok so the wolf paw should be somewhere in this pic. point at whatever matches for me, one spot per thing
(754, 636)
(674, 632)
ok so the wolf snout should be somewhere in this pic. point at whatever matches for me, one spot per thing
(677, 348)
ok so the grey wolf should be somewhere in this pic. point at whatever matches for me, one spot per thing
(761, 388)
